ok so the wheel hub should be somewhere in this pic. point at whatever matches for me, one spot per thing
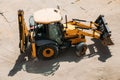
(48, 52)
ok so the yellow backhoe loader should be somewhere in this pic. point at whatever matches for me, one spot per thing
(47, 35)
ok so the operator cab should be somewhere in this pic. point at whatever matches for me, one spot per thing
(46, 25)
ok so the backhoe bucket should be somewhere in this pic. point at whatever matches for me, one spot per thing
(106, 33)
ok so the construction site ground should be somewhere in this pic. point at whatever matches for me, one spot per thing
(99, 63)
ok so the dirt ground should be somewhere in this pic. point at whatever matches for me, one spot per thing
(100, 62)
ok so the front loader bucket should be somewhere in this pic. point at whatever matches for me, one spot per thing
(106, 33)
(23, 32)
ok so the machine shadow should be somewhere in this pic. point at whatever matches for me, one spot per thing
(19, 63)
(44, 67)
(49, 67)
(99, 49)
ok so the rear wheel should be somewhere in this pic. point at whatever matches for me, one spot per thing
(81, 49)
(47, 51)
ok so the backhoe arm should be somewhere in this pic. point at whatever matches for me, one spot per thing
(97, 29)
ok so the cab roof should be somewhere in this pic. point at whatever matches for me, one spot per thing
(47, 15)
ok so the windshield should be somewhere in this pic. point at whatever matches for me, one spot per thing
(54, 32)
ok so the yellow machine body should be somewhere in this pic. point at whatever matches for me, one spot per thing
(73, 31)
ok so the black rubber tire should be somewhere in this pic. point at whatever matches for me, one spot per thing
(54, 51)
(25, 44)
(26, 41)
(81, 49)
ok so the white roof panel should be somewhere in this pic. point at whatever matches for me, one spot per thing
(47, 15)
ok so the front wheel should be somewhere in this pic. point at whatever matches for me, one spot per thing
(47, 51)
(81, 49)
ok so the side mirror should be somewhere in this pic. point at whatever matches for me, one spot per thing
(31, 21)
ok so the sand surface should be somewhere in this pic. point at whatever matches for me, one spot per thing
(100, 63)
